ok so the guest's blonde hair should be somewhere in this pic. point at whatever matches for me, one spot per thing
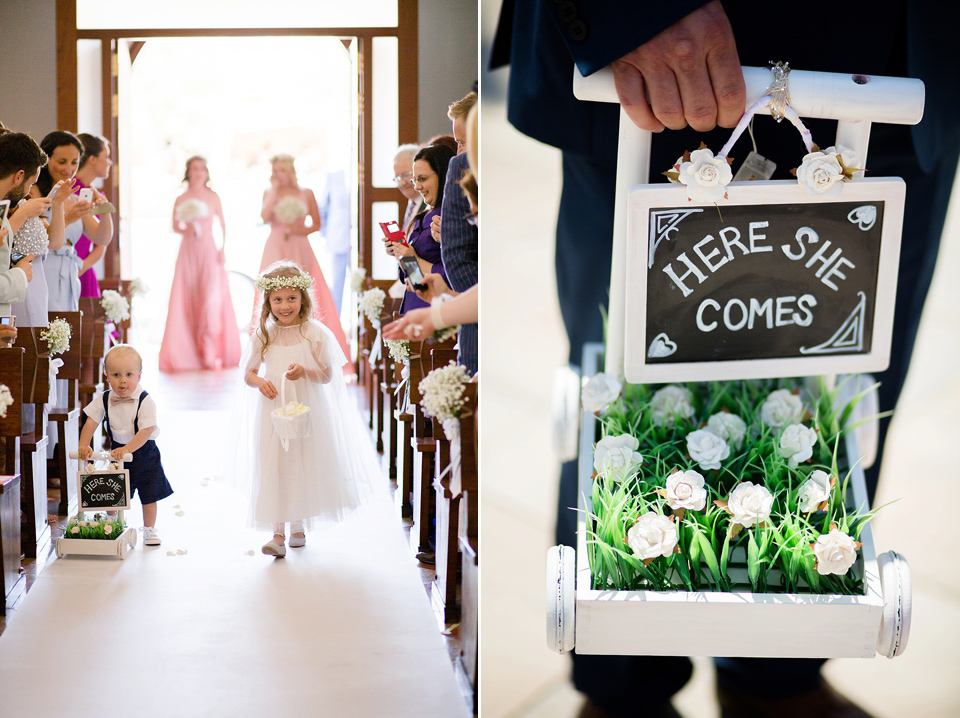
(461, 107)
(282, 268)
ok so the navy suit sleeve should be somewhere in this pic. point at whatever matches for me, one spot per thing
(597, 32)
(458, 240)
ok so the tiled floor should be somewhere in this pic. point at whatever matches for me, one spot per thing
(523, 342)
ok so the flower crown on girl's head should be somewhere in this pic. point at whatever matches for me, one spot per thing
(269, 284)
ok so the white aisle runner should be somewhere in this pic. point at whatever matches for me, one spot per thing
(340, 628)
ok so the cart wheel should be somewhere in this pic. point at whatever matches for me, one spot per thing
(897, 604)
(566, 413)
(561, 598)
(123, 548)
(59, 552)
(868, 433)
(131, 536)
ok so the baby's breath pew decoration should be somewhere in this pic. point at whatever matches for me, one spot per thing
(442, 391)
(722, 486)
(137, 287)
(6, 399)
(357, 279)
(371, 304)
(57, 336)
(101, 527)
(399, 350)
(115, 306)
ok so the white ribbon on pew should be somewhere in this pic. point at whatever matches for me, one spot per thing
(451, 428)
(55, 365)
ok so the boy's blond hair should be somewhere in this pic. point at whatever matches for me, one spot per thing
(121, 349)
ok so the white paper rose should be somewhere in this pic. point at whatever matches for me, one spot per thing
(74, 529)
(749, 504)
(814, 492)
(836, 552)
(705, 176)
(781, 407)
(849, 160)
(599, 392)
(108, 529)
(821, 175)
(653, 535)
(796, 444)
(729, 427)
(685, 491)
(617, 456)
(671, 403)
(707, 449)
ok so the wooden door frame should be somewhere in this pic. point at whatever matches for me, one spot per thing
(406, 33)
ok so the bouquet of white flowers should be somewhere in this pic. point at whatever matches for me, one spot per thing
(371, 304)
(442, 391)
(57, 336)
(6, 399)
(356, 279)
(191, 210)
(399, 350)
(290, 209)
(115, 307)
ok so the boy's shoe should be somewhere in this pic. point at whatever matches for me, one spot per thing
(150, 536)
(297, 541)
(272, 548)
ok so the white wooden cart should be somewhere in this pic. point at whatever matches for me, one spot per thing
(115, 497)
(732, 623)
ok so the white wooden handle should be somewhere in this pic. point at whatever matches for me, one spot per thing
(827, 95)
(101, 456)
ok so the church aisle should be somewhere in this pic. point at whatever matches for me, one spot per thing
(341, 627)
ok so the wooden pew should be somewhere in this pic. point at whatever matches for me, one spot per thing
(35, 530)
(381, 369)
(11, 375)
(368, 335)
(464, 483)
(389, 384)
(443, 589)
(424, 446)
(65, 421)
(93, 346)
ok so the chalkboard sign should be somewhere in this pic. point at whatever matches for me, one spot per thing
(104, 490)
(769, 282)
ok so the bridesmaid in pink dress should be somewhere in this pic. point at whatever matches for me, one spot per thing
(286, 207)
(201, 330)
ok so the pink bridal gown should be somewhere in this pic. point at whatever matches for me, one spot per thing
(201, 331)
(296, 248)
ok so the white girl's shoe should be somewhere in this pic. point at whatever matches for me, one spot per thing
(297, 542)
(272, 548)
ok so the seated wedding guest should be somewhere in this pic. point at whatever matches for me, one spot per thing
(94, 165)
(429, 173)
(20, 162)
(403, 176)
(445, 140)
(64, 266)
(454, 229)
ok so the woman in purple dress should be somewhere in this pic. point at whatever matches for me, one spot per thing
(429, 173)
(95, 164)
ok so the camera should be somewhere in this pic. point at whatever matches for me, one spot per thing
(412, 269)
(86, 194)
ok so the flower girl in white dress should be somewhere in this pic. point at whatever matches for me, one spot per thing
(312, 470)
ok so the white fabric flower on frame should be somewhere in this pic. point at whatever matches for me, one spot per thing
(814, 493)
(671, 403)
(705, 176)
(651, 536)
(836, 552)
(600, 392)
(749, 504)
(6, 399)
(617, 457)
(707, 449)
(729, 427)
(821, 175)
(796, 444)
(685, 491)
(781, 407)
(848, 159)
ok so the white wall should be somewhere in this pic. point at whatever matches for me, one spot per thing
(28, 63)
(448, 51)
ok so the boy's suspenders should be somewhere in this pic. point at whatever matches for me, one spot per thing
(106, 414)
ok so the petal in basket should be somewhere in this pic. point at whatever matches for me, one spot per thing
(291, 420)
